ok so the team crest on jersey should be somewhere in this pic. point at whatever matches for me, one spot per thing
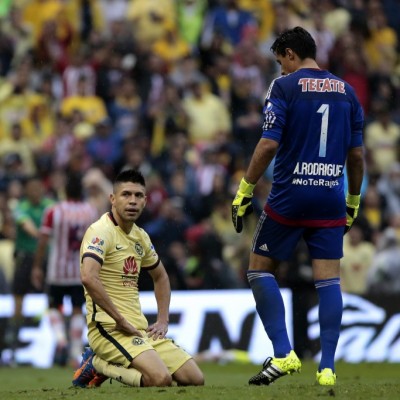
(137, 341)
(130, 266)
(97, 241)
(139, 249)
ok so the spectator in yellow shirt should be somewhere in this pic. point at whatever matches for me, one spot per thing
(16, 144)
(92, 107)
(381, 44)
(382, 138)
(150, 19)
(171, 48)
(208, 115)
(19, 103)
(356, 262)
(36, 12)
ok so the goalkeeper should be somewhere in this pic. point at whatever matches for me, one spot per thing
(313, 126)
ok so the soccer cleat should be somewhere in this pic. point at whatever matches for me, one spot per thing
(85, 355)
(86, 374)
(326, 377)
(97, 380)
(274, 368)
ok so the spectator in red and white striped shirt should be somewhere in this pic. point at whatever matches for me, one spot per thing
(62, 230)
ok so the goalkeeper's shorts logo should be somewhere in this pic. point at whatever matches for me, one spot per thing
(264, 247)
(137, 341)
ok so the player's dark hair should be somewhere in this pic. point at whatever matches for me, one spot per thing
(297, 39)
(130, 175)
(73, 187)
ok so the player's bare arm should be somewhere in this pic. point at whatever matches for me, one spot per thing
(90, 276)
(263, 154)
(162, 291)
(355, 169)
(355, 172)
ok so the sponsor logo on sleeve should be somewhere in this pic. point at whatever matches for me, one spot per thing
(97, 241)
(269, 117)
(96, 249)
(96, 245)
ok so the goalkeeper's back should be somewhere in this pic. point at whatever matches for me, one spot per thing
(316, 118)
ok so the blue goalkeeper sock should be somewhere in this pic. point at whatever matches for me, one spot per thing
(270, 308)
(330, 319)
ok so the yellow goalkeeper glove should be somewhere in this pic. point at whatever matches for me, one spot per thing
(241, 205)
(352, 206)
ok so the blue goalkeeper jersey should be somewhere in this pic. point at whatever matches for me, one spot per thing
(316, 118)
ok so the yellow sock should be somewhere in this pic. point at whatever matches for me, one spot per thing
(128, 376)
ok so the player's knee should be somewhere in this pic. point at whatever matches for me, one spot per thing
(193, 379)
(197, 380)
(157, 379)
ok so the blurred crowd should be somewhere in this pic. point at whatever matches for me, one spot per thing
(176, 88)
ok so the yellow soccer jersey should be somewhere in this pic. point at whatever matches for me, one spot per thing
(122, 257)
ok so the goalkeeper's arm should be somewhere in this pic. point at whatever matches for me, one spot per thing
(355, 173)
(262, 157)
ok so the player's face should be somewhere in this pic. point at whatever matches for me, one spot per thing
(289, 62)
(128, 201)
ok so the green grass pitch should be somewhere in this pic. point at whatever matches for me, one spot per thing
(355, 381)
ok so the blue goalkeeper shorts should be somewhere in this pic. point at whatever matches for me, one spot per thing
(275, 240)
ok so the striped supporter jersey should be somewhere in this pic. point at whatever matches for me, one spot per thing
(316, 118)
(65, 223)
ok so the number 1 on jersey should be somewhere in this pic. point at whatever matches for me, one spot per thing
(324, 110)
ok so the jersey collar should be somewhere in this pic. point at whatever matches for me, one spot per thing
(111, 216)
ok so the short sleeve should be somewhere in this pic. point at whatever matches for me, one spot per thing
(150, 258)
(47, 221)
(274, 113)
(96, 243)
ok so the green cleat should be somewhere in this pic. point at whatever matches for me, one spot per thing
(326, 377)
(274, 368)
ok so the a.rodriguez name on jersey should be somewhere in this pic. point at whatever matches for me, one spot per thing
(310, 172)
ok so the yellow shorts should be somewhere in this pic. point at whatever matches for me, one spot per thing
(118, 348)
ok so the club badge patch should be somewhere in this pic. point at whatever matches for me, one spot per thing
(138, 249)
(137, 341)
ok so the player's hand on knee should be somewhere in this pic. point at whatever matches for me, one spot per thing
(126, 328)
(352, 206)
(158, 330)
(241, 205)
